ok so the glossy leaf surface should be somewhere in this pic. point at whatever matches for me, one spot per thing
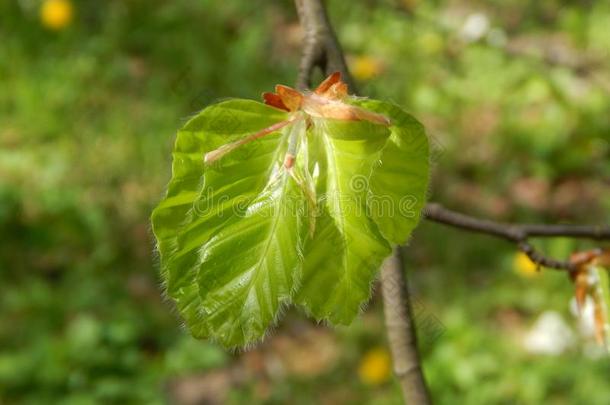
(303, 212)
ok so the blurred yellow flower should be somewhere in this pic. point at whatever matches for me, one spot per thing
(365, 67)
(524, 266)
(56, 14)
(375, 366)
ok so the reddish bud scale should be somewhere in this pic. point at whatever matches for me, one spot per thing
(289, 161)
(326, 101)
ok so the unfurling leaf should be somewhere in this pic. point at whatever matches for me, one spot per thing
(591, 280)
(297, 200)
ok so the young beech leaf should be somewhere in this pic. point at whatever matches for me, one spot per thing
(591, 280)
(602, 307)
(297, 200)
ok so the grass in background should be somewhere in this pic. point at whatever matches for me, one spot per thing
(88, 109)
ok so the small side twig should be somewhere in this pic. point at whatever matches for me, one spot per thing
(518, 233)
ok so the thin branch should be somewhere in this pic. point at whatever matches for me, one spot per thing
(518, 233)
(513, 232)
(542, 261)
(401, 331)
(320, 45)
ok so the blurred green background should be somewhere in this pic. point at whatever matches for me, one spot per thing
(516, 98)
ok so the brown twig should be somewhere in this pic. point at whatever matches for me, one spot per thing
(320, 45)
(518, 233)
(398, 314)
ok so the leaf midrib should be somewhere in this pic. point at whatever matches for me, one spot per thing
(333, 174)
(275, 223)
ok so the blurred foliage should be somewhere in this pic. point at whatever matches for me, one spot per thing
(514, 93)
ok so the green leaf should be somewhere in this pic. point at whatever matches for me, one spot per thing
(214, 126)
(375, 183)
(200, 202)
(245, 236)
(252, 265)
(343, 257)
(399, 184)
